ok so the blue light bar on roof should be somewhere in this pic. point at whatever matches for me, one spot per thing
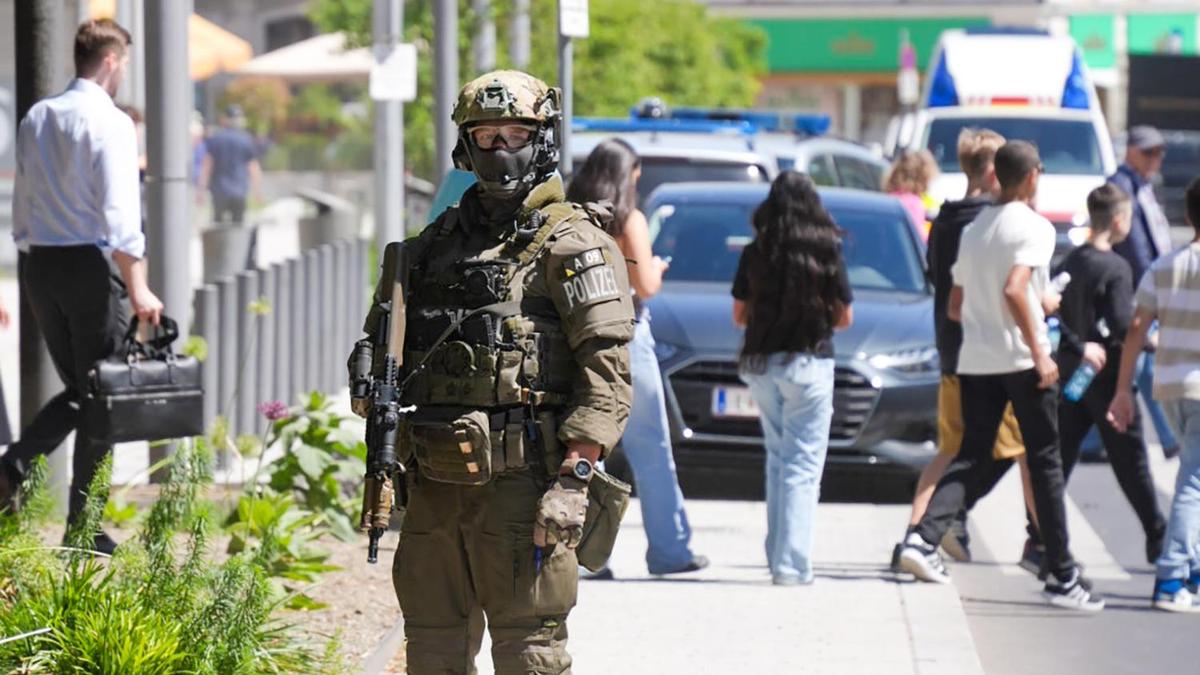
(812, 124)
(764, 121)
(1075, 93)
(618, 126)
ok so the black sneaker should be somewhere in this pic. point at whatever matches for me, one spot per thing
(1071, 594)
(957, 543)
(895, 564)
(1171, 452)
(921, 559)
(603, 574)
(101, 543)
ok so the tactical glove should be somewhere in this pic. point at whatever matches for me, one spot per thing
(560, 513)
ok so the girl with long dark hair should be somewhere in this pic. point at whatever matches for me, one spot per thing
(610, 174)
(791, 292)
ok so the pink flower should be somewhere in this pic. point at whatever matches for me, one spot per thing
(274, 410)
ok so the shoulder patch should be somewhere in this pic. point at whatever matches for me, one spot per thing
(581, 262)
(598, 284)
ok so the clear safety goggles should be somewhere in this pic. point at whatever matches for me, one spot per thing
(513, 135)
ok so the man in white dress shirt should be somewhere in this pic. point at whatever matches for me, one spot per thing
(77, 223)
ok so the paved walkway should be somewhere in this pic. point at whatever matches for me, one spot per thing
(854, 620)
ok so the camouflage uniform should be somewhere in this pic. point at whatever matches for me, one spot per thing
(542, 364)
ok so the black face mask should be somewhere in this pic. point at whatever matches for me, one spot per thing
(503, 173)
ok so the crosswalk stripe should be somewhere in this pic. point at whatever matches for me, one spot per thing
(998, 521)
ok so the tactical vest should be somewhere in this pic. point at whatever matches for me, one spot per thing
(494, 372)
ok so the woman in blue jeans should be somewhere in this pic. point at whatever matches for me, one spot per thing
(610, 174)
(790, 293)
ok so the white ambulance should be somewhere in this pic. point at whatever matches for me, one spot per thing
(1023, 84)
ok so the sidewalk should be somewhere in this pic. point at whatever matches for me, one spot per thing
(854, 620)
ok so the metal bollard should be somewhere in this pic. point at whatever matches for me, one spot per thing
(324, 360)
(227, 358)
(208, 319)
(247, 388)
(312, 319)
(281, 388)
(265, 344)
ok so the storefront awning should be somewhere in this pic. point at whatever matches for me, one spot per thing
(322, 58)
(211, 49)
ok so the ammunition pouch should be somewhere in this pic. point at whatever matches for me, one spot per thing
(608, 497)
(452, 445)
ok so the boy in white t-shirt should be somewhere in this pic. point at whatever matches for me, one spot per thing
(1001, 280)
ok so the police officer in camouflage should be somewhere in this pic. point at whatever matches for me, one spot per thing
(518, 314)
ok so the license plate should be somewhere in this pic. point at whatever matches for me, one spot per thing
(733, 402)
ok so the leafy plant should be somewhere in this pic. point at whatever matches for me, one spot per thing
(146, 611)
(324, 457)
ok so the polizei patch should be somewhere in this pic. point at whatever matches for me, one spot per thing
(591, 286)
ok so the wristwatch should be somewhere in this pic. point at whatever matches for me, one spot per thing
(580, 469)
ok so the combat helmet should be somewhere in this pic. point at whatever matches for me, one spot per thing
(509, 95)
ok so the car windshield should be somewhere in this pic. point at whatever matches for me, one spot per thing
(659, 170)
(1066, 146)
(705, 240)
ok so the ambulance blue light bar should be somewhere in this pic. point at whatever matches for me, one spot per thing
(1075, 93)
(942, 90)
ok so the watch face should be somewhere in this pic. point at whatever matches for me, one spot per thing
(583, 469)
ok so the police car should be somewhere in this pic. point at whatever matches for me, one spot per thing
(1023, 84)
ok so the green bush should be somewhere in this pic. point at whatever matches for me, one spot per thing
(147, 610)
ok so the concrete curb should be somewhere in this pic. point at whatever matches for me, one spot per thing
(939, 633)
(379, 658)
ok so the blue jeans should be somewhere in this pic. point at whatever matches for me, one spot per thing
(1181, 550)
(795, 397)
(647, 445)
(1144, 380)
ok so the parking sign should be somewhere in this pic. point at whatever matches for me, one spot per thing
(573, 18)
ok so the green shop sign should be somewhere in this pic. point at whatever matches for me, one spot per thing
(1162, 34)
(851, 45)
(1094, 33)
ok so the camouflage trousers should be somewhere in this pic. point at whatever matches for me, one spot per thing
(466, 553)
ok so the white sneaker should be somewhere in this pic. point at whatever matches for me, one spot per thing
(1182, 600)
(1071, 594)
(921, 560)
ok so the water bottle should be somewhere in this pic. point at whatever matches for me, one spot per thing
(1054, 333)
(1080, 380)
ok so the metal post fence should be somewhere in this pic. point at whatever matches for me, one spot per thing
(266, 344)
(325, 324)
(341, 261)
(226, 352)
(298, 328)
(247, 292)
(208, 319)
(312, 347)
(284, 337)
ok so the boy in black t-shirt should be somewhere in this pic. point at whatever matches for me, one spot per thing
(1096, 309)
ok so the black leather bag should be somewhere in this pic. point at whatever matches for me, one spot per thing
(144, 392)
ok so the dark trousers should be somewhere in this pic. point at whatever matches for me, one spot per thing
(82, 311)
(1126, 451)
(230, 210)
(983, 399)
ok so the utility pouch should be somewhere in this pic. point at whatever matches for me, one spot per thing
(608, 497)
(453, 446)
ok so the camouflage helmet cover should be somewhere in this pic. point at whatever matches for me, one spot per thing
(506, 94)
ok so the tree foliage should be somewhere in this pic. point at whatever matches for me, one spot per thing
(673, 49)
